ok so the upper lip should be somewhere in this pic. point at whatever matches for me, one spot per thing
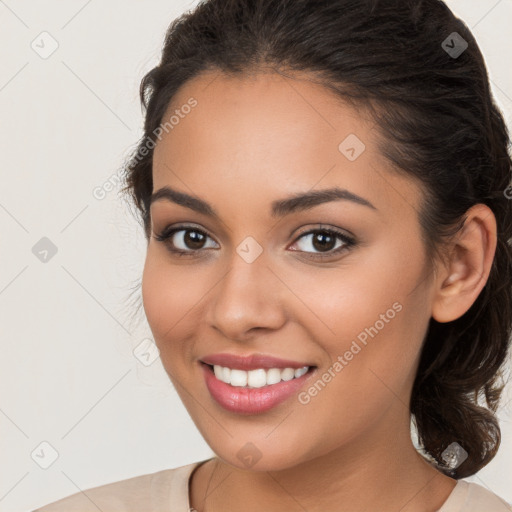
(251, 362)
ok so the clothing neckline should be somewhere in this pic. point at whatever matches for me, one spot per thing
(456, 496)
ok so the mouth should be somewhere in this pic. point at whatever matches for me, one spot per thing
(257, 378)
(253, 391)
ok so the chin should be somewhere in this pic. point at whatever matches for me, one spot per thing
(260, 454)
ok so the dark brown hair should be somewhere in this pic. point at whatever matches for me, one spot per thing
(438, 124)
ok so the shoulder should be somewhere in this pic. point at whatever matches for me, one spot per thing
(152, 491)
(473, 497)
(478, 497)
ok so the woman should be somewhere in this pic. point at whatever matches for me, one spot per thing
(324, 190)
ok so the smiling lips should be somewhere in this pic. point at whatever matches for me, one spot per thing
(252, 384)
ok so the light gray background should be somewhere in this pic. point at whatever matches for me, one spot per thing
(68, 326)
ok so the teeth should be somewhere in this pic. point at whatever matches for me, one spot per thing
(273, 376)
(299, 372)
(238, 378)
(257, 378)
(288, 374)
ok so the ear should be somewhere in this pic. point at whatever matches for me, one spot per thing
(465, 271)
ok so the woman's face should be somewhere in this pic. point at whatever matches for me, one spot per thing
(275, 283)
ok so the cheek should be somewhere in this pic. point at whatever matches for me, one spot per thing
(373, 314)
(169, 297)
(158, 305)
(373, 354)
(341, 305)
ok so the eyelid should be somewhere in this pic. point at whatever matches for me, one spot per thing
(325, 227)
(168, 228)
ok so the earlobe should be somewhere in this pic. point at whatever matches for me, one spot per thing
(467, 269)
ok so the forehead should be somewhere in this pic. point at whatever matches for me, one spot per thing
(272, 135)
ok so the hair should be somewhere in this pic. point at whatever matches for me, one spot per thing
(437, 123)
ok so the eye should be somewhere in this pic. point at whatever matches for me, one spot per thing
(183, 240)
(189, 240)
(327, 242)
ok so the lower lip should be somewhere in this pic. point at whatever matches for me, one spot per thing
(244, 400)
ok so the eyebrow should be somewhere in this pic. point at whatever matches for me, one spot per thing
(280, 208)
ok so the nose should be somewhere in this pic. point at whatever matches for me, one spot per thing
(248, 299)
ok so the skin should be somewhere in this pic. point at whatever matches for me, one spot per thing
(250, 141)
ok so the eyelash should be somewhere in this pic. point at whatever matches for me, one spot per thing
(349, 242)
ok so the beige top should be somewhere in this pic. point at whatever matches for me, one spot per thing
(168, 491)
